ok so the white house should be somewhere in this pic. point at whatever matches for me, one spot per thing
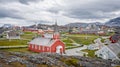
(109, 52)
(13, 35)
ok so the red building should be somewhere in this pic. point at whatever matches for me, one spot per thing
(48, 43)
(30, 30)
(115, 38)
(39, 31)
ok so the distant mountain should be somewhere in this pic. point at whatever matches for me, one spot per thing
(78, 24)
(7, 26)
(113, 22)
(97, 23)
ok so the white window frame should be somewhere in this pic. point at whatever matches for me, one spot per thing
(43, 48)
(39, 47)
(32, 46)
(47, 48)
(35, 46)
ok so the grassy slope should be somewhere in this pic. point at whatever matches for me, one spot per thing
(67, 41)
(23, 50)
(91, 53)
(25, 38)
(81, 39)
(13, 42)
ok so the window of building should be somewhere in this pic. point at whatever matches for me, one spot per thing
(47, 48)
(32, 46)
(43, 48)
(35, 46)
(29, 45)
(39, 47)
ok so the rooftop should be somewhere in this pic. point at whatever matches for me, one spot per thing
(42, 41)
(115, 47)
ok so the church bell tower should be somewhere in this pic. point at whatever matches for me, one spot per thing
(56, 34)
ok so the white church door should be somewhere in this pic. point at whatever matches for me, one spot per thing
(59, 49)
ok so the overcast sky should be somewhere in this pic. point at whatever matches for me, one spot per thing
(27, 12)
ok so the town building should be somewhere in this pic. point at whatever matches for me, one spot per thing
(12, 35)
(1, 32)
(88, 29)
(112, 50)
(109, 52)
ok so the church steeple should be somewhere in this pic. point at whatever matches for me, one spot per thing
(56, 27)
(56, 34)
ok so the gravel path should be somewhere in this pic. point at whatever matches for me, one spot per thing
(75, 51)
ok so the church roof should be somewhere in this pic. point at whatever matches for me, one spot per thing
(42, 41)
(48, 35)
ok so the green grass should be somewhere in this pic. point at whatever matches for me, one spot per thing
(6, 42)
(102, 40)
(70, 61)
(16, 49)
(28, 33)
(27, 36)
(82, 35)
(91, 53)
(69, 44)
(67, 40)
(83, 40)
(110, 33)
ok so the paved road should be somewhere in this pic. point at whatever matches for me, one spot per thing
(75, 51)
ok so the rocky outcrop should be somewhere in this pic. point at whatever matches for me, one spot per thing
(16, 59)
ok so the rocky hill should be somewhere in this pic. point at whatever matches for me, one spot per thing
(113, 22)
(16, 59)
(78, 24)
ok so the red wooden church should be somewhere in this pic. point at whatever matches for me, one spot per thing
(48, 43)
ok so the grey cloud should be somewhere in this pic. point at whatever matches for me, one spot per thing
(54, 10)
(27, 1)
(6, 1)
(94, 9)
(20, 1)
(90, 10)
(9, 13)
(83, 14)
